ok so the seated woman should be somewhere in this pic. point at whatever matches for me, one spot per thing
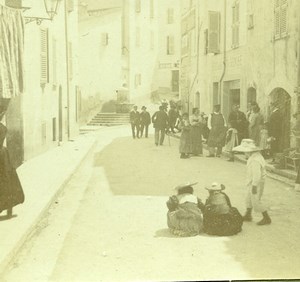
(219, 217)
(185, 211)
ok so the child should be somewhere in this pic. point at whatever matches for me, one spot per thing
(231, 141)
(185, 211)
(264, 142)
(219, 217)
(185, 138)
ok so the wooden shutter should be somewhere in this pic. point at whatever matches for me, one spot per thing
(70, 5)
(283, 18)
(170, 16)
(151, 9)
(213, 32)
(44, 56)
(104, 38)
(54, 61)
(170, 45)
(70, 61)
(137, 6)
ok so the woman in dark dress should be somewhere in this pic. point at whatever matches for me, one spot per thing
(219, 217)
(11, 193)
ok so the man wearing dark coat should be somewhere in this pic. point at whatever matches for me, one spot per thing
(160, 123)
(135, 122)
(173, 116)
(238, 121)
(217, 126)
(145, 120)
(275, 129)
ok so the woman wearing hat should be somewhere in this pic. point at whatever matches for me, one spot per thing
(219, 217)
(255, 181)
(185, 211)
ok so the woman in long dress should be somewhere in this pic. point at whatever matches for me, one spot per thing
(219, 217)
(11, 193)
(197, 124)
(185, 138)
(184, 215)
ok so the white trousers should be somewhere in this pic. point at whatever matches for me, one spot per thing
(253, 201)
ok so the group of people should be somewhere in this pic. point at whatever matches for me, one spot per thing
(188, 216)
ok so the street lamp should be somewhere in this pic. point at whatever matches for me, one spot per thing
(51, 7)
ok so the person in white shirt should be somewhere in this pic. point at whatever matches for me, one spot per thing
(255, 180)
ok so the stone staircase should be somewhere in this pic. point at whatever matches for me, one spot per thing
(106, 119)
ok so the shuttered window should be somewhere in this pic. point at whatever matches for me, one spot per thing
(235, 24)
(44, 62)
(280, 18)
(170, 16)
(170, 45)
(137, 6)
(70, 60)
(213, 32)
(151, 9)
(54, 61)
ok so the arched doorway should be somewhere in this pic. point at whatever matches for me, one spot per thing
(283, 100)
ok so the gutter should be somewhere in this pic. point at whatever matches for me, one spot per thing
(224, 55)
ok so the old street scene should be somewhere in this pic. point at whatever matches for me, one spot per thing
(147, 140)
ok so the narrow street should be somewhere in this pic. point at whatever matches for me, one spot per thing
(109, 223)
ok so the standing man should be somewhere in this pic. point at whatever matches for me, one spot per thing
(135, 122)
(238, 121)
(275, 129)
(217, 126)
(255, 181)
(160, 123)
(145, 120)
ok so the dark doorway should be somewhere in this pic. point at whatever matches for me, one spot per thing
(251, 95)
(60, 115)
(283, 99)
(175, 80)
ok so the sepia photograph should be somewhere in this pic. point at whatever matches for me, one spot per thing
(149, 140)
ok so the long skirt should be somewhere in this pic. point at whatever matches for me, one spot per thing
(196, 140)
(222, 224)
(186, 220)
(11, 192)
(185, 142)
(217, 137)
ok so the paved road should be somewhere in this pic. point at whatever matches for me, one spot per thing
(110, 223)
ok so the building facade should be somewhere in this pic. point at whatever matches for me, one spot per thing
(46, 113)
(99, 55)
(248, 51)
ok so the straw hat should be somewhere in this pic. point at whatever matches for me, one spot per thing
(247, 146)
(183, 185)
(215, 187)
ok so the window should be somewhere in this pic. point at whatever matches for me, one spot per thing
(104, 39)
(70, 61)
(54, 61)
(151, 40)
(235, 24)
(170, 16)
(44, 56)
(138, 80)
(137, 37)
(151, 9)
(137, 6)
(213, 32)
(170, 45)
(280, 18)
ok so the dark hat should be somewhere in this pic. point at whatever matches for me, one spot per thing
(144, 108)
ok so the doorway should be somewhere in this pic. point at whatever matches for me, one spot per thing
(175, 80)
(283, 100)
